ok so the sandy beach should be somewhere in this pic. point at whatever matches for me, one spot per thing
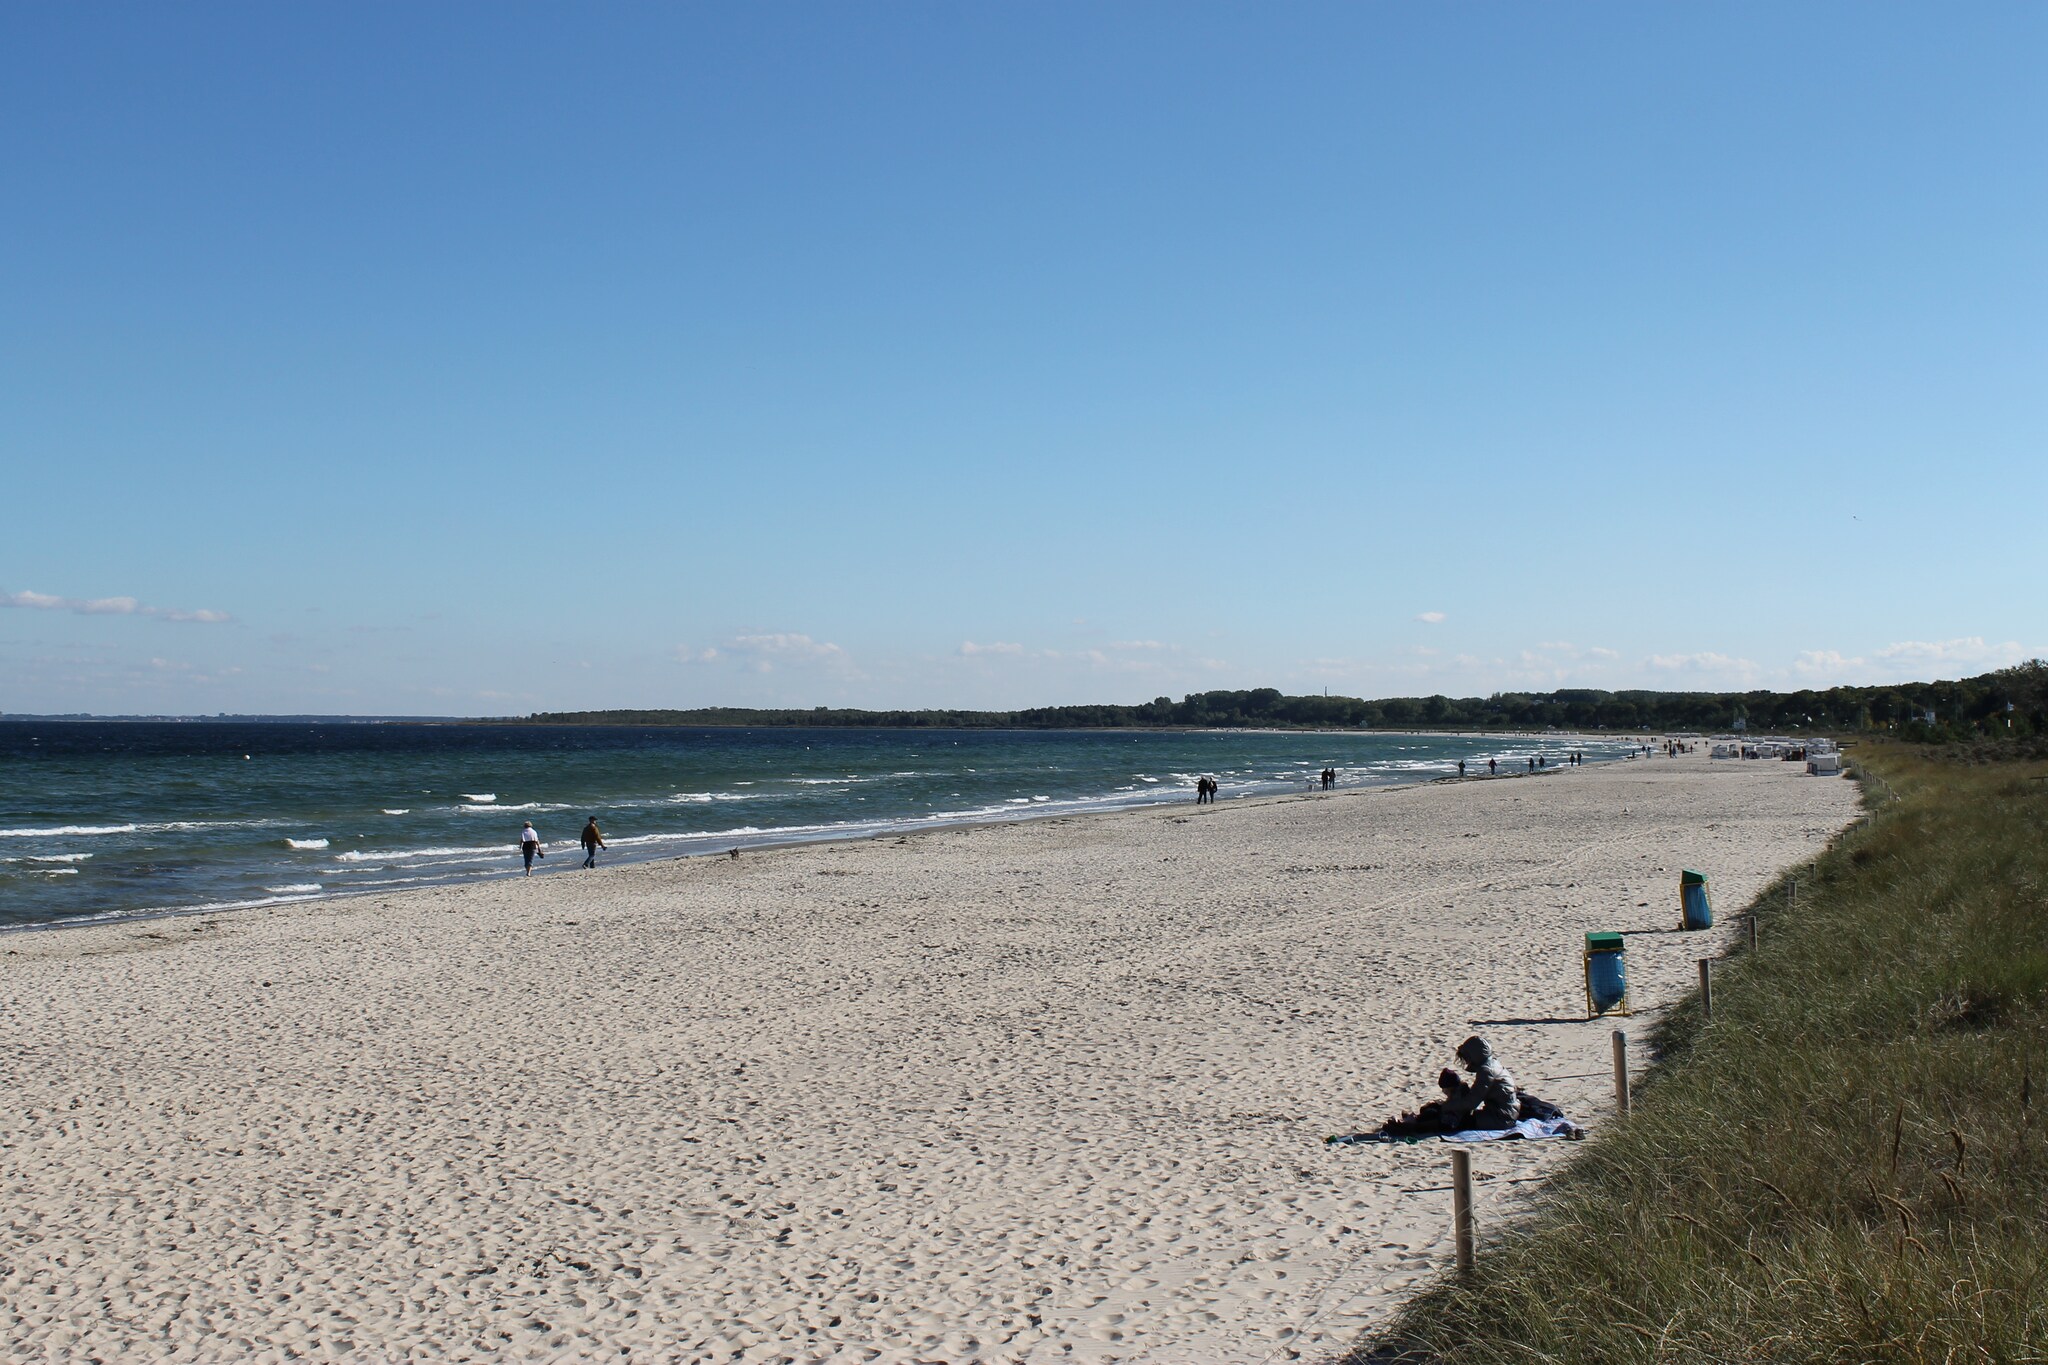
(1054, 1090)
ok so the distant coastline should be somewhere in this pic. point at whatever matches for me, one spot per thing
(2010, 702)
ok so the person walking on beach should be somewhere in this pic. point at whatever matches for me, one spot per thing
(1493, 767)
(529, 846)
(592, 842)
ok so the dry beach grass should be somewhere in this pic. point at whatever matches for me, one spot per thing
(1046, 1091)
(1848, 1163)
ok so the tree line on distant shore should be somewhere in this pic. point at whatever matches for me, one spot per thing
(2009, 702)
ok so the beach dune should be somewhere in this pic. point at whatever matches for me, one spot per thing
(1054, 1090)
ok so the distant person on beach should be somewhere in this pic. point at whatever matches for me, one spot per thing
(1532, 765)
(1461, 767)
(1492, 768)
(529, 846)
(1205, 791)
(592, 842)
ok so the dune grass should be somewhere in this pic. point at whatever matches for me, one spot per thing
(1850, 1164)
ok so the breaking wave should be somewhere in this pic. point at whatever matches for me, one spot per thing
(66, 829)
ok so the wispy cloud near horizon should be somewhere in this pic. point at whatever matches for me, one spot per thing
(109, 606)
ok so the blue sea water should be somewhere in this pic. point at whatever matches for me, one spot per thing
(105, 820)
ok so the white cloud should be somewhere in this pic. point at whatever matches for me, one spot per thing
(109, 606)
(1970, 650)
(1141, 644)
(766, 652)
(970, 649)
(1430, 618)
(1708, 666)
(780, 646)
(1830, 664)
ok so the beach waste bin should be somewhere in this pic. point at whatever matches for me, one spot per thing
(1606, 974)
(1694, 910)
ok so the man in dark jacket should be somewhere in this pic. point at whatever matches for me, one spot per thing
(592, 842)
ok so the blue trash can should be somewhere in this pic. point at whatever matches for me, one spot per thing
(1695, 911)
(1606, 974)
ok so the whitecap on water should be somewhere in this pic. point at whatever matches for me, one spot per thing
(482, 798)
(399, 855)
(297, 889)
(305, 843)
(66, 829)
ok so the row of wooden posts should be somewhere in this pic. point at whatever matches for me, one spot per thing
(1462, 1225)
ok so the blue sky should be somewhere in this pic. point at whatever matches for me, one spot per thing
(489, 358)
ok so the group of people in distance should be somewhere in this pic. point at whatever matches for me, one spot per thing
(530, 845)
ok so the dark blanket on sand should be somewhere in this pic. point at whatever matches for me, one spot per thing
(1436, 1119)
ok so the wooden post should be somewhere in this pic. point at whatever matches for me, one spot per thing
(1461, 1208)
(1791, 894)
(1707, 989)
(1621, 1073)
(1752, 931)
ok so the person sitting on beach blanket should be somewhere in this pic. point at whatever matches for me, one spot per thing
(1431, 1118)
(1489, 1101)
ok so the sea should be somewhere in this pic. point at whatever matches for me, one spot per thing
(107, 821)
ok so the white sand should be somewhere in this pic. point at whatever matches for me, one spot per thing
(1047, 1091)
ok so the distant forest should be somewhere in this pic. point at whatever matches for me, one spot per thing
(2011, 701)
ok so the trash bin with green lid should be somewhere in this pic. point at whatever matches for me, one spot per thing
(1694, 910)
(1606, 974)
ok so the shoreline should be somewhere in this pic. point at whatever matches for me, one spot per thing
(788, 837)
(1052, 1089)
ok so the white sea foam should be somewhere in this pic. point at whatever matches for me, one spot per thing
(57, 857)
(486, 809)
(482, 798)
(56, 871)
(305, 844)
(406, 811)
(401, 854)
(742, 831)
(298, 889)
(40, 832)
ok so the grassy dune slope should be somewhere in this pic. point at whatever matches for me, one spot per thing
(1851, 1162)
